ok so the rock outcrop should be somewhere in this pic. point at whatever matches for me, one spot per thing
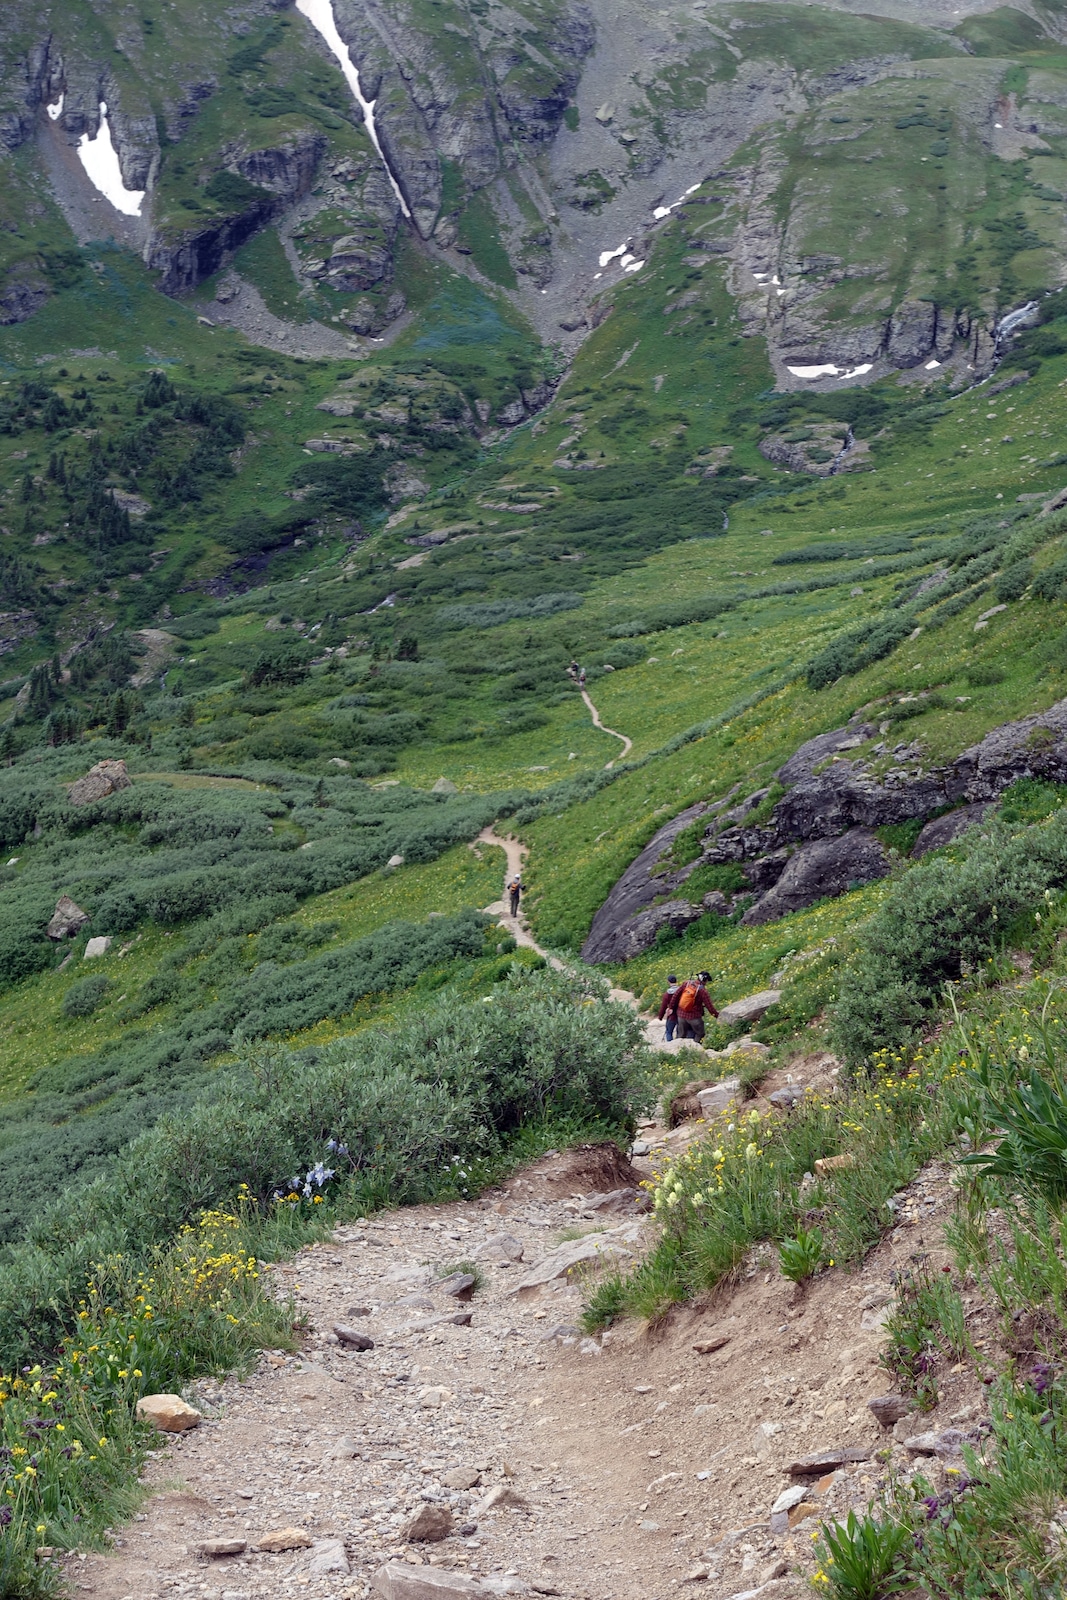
(100, 781)
(819, 839)
(67, 920)
(281, 174)
(822, 868)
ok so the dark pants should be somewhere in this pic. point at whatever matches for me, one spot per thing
(515, 901)
(691, 1028)
(671, 1020)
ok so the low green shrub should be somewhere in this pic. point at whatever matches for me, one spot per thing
(424, 1109)
(83, 998)
(946, 916)
(1013, 581)
(120, 1090)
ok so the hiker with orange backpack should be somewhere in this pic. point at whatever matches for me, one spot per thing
(693, 1002)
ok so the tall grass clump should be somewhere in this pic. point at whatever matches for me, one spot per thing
(751, 1179)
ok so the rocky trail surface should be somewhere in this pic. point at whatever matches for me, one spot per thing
(483, 1445)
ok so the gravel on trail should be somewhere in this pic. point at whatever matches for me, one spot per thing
(536, 1460)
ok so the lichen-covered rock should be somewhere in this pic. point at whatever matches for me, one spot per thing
(107, 777)
(1033, 747)
(67, 920)
(942, 830)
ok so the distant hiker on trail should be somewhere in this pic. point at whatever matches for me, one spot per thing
(668, 1006)
(581, 678)
(573, 671)
(693, 1001)
(515, 889)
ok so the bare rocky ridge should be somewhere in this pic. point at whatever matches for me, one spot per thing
(818, 840)
(513, 1456)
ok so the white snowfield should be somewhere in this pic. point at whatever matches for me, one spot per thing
(320, 14)
(101, 162)
(830, 371)
(627, 262)
(664, 211)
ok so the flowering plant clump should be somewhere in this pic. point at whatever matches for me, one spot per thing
(70, 1444)
(315, 1179)
(749, 1177)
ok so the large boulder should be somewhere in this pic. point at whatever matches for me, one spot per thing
(105, 778)
(639, 933)
(1033, 747)
(820, 869)
(942, 830)
(67, 920)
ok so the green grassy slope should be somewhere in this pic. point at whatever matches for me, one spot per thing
(326, 643)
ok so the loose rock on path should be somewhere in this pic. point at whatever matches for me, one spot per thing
(531, 1459)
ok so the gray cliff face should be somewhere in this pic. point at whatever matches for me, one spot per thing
(468, 93)
(283, 173)
(819, 840)
(569, 124)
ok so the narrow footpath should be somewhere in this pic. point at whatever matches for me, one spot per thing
(486, 1447)
(516, 854)
(627, 744)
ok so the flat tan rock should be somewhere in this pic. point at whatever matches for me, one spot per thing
(827, 1165)
(499, 1497)
(397, 1581)
(285, 1539)
(168, 1412)
(222, 1547)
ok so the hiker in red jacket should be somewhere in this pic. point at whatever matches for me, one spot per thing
(668, 1006)
(693, 1002)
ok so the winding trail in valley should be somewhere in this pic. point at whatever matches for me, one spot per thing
(627, 743)
(516, 853)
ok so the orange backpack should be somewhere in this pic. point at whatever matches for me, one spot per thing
(688, 998)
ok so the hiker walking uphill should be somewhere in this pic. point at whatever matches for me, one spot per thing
(693, 1002)
(515, 888)
(668, 1006)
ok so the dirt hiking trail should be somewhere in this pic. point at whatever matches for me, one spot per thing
(547, 1463)
(516, 854)
(627, 744)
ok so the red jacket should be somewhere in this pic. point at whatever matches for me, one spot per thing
(669, 1002)
(702, 1003)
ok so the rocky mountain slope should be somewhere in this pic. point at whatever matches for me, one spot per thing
(541, 149)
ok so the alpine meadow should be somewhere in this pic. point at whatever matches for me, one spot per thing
(533, 799)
